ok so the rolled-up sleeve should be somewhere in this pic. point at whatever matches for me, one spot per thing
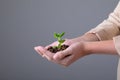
(110, 27)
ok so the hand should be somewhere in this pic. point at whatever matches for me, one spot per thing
(75, 50)
(71, 54)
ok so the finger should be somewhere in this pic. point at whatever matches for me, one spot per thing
(62, 54)
(49, 55)
(37, 50)
(46, 53)
(67, 61)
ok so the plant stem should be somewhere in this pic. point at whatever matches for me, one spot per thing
(59, 45)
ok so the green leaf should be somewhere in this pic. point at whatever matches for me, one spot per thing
(58, 34)
(55, 35)
(62, 34)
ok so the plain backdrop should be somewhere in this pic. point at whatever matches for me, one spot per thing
(28, 23)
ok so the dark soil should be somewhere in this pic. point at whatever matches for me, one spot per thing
(55, 49)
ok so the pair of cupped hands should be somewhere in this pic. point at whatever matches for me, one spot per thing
(66, 57)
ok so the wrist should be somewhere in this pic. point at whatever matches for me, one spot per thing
(88, 47)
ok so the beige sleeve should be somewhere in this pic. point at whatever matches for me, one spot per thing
(109, 27)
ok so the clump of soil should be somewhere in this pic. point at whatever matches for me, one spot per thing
(56, 49)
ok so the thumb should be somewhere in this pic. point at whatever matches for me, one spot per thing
(62, 54)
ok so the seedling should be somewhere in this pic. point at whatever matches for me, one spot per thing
(60, 46)
(59, 36)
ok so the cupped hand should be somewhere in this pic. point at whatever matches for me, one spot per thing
(71, 54)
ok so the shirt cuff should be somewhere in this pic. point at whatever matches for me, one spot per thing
(100, 34)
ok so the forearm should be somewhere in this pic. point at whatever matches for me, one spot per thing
(101, 47)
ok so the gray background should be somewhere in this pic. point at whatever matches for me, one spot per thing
(28, 23)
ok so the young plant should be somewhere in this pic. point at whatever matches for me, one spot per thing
(59, 36)
(60, 46)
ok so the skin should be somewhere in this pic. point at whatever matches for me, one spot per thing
(78, 47)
